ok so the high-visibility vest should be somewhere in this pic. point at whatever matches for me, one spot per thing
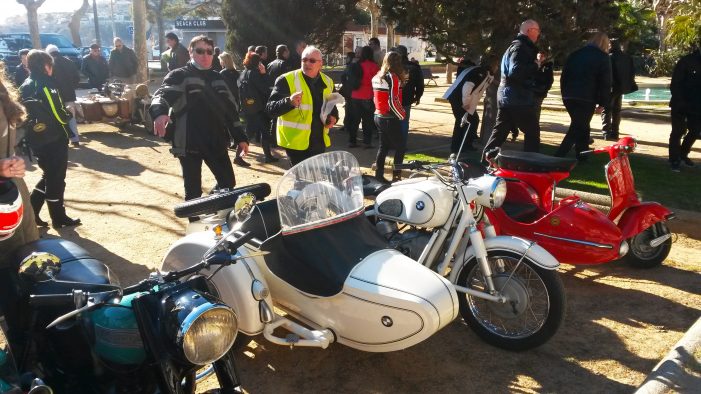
(295, 127)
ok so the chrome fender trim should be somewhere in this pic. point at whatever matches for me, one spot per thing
(536, 253)
(577, 241)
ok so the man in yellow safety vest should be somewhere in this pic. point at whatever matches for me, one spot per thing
(298, 101)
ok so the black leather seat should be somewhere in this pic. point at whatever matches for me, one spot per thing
(534, 162)
(77, 265)
(372, 186)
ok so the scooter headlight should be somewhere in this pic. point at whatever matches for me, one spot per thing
(208, 332)
(492, 191)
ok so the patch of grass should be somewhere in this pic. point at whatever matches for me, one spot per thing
(653, 178)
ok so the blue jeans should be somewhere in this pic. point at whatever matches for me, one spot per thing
(404, 123)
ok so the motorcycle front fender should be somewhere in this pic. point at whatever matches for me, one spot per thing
(636, 219)
(536, 253)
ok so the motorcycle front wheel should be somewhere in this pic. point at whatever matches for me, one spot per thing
(535, 310)
(641, 254)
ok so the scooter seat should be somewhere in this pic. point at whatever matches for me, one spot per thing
(534, 162)
(77, 266)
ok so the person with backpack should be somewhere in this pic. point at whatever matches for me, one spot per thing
(360, 80)
(254, 91)
(345, 90)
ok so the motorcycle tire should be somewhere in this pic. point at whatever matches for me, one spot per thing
(492, 321)
(641, 254)
(216, 202)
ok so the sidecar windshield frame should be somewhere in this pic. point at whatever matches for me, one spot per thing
(320, 191)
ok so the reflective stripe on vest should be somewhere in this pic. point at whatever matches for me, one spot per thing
(295, 127)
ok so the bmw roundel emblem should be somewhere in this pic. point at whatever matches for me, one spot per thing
(420, 205)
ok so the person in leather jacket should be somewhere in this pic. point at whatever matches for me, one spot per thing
(48, 135)
(200, 108)
(686, 108)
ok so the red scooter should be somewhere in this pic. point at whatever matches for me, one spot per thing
(572, 230)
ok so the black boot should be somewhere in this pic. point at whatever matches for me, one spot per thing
(58, 215)
(37, 201)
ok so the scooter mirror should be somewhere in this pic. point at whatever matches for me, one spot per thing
(40, 266)
(243, 206)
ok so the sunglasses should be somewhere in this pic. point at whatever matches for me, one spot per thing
(202, 51)
(312, 61)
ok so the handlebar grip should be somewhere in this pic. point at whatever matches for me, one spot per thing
(247, 236)
(51, 300)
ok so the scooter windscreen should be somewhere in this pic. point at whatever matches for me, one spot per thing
(320, 191)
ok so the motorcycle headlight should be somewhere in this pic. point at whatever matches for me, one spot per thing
(207, 333)
(492, 190)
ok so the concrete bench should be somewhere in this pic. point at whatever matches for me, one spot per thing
(427, 74)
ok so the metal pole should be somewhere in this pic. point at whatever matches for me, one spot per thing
(114, 26)
(97, 24)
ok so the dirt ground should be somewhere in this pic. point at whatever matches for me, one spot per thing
(620, 321)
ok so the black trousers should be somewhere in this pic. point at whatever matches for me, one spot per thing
(391, 137)
(258, 124)
(510, 118)
(611, 116)
(297, 156)
(578, 134)
(681, 122)
(459, 131)
(218, 162)
(362, 111)
(52, 158)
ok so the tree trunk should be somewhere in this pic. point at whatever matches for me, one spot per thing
(161, 37)
(74, 24)
(33, 22)
(489, 116)
(97, 23)
(139, 7)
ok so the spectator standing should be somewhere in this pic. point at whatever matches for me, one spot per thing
(48, 133)
(262, 51)
(412, 90)
(586, 87)
(362, 98)
(67, 77)
(297, 100)
(123, 62)
(277, 66)
(95, 67)
(295, 58)
(216, 66)
(254, 90)
(622, 82)
(543, 80)
(464, 95)
(179, 55)
(346, 89)
(203, 119)
(12, 168)
(231, 77)
(21, 71)
(515, 96)
(686, 108)
(377, 53)
(387, 90)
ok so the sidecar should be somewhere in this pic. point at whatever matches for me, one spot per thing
(327, 268)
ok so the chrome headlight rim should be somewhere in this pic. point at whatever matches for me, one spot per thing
(192, 318)
(498, 193)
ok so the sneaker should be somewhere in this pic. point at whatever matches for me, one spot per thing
(687, 162)
(675, 167)
(75, 143)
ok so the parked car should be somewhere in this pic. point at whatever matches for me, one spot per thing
(17, 41)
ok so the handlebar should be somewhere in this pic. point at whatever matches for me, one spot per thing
(412, 165)
(51, 300)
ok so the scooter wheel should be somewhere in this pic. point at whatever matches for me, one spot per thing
(641, 254)
(537, 306)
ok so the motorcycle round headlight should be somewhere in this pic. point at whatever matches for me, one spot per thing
(208, 333)
(498, 193)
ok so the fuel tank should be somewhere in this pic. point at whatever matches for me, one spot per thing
(424, 202)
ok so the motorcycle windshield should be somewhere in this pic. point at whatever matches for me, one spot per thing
(320, 191)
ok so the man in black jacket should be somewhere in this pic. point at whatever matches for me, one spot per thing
(67, 77)
(686, 108)
(95, 67)
(515, 97)
(47, 123)
(123, 62)
(585, 83)
(179, 56)
(413, 89)
(623, 82)
(21, 71)
(277, 66)
(197, 102)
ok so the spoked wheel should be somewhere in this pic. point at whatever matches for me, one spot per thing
(650, 248)
(536, 304)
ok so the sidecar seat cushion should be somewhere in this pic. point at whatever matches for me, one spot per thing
(318, 261)
(76, 264)
(534, 162)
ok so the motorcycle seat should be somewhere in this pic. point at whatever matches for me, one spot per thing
(372, 186)
(534, 162)
(318, 261)
(77, 266)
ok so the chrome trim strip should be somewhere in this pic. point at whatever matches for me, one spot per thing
(660, 240)
(576, 241)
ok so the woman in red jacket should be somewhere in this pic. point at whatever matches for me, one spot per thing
(387, 92)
